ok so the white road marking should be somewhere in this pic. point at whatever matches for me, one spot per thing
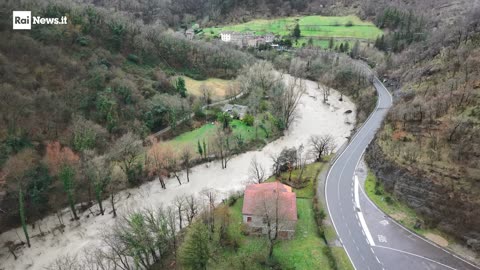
(357, 198)
(365, 228)
(384, 222)
(363, 224)
(382, 238)
(412, 234)
(416, 255)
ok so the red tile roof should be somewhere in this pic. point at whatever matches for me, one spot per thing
(257, 195)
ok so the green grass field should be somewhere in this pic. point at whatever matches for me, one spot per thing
(207, 133)
(311, 171)
(318, 27)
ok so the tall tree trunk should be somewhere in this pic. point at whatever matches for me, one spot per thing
(72, 204)
(100, 205)
(178, 178)
(22, 216)
(112, 201)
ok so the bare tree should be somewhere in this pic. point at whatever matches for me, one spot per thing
(173, 166)
(179, 203)
(156, 160)
(285, 100)
(224, 146)
(271, 209)
(209, 213)
(126, 151)
(301, 161)
(206, 93)
(186, 157)
(191, 208)
(257, 171)
(322, 145)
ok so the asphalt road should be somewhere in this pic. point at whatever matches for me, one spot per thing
(370, 238)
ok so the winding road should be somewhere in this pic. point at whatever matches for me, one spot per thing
(371, 239)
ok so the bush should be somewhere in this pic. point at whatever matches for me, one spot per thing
(349, 24)
(82, 41)
(134, 58)
(388, 200)
(248, 119)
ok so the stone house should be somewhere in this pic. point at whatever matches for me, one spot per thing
(235, 110)
(268, 203)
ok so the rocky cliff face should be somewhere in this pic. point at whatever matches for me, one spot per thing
(452, 210)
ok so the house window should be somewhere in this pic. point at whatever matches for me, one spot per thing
(249, 219)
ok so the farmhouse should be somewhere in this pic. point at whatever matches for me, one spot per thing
(268, 206)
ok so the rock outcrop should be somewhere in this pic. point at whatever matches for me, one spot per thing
(440, 199)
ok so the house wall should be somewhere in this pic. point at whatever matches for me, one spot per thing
(286, 231)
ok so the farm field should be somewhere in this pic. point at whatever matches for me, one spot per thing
(218, 87)
(320, 27)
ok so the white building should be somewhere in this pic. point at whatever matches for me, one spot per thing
(226, 36)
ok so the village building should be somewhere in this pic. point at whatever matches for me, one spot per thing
(235, 110)
(268, 203)
(190, 34)
(247, 39)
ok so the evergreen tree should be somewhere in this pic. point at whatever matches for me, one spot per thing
(200, 150)
(21, 203)
(195, 251)
(355, 50)
(204, 148)
(180, 87)
(296, 33)
(330, 43)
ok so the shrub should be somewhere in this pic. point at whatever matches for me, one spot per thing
(134, 58)
(248, 119)
(349, 24)
(82, 41)
(388, 200)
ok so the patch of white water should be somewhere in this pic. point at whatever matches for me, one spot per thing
(315, 117)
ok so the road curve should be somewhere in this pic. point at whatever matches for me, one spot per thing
(339, 188)
(359, 229)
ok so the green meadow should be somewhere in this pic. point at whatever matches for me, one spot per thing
(316, 27)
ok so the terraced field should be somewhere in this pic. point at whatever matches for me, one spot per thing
(319, 28)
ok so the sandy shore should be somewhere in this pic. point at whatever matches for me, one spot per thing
(315, 118)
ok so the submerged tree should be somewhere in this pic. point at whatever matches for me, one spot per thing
(67, 176)
(21, 204)
(100, 173)
(126, 152)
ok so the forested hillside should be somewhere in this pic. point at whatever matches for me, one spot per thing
(427, 153)
(80, 87)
